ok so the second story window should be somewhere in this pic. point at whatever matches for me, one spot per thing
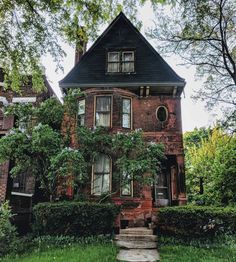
(103, 111)
(126, 113)
(120, 62)
(81, 112)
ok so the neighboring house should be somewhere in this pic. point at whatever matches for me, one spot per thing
(129, 86)
(19, 190)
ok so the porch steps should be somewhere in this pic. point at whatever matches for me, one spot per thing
(137, 244)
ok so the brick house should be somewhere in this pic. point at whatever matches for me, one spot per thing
(129, 86)
(21, 189)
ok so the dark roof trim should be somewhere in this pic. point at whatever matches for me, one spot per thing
(117, 84)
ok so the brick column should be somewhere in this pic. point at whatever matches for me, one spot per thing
(4, 170)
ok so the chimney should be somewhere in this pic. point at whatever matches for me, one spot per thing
(81, 44)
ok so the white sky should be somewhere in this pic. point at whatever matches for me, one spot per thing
(193, 113)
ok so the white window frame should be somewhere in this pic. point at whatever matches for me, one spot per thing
(120, 61)
(93, 192)
(103, 112)
(81, 114)
(124, 113)
(131, 188)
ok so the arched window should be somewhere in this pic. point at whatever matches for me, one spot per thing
(162, 113)
(101, 177)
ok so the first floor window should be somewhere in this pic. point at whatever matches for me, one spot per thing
(126, 113)
(101, 175)
(126, 185)
(81, 112)
(103, 111)
(1, 118)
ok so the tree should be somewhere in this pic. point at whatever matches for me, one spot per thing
(36, 146)
(31, 29)
(210, 168)
(203, 33)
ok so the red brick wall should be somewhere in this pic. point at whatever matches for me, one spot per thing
(3, 180)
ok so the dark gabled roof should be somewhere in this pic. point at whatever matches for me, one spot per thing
(150, 68)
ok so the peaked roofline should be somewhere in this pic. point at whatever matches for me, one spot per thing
(122, 15)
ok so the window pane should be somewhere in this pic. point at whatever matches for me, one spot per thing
(106, 183)
(126, 186)
(97, 184)
(113, 67)
(128, 56)
(113, 57)
(126, 120)
(103, 103)
(81, 107)
(162, 114)
(81, 120)
(102, 164)
(102, 119)
(126, 106)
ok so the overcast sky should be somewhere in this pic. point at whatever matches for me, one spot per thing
(193, 113)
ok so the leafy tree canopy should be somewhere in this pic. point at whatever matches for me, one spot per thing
(203, 33)
(32, 28)
(210, 167)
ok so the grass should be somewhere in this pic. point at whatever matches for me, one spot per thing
(107, 253)
(183, 253)
(76, 253)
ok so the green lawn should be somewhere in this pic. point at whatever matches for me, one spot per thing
(107, 253)
(183, 253)
(90, 253)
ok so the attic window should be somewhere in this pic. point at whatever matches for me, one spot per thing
(120, 62)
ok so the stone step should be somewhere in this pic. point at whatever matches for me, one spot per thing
(131, 237)
(136, 244)
(141, 255)
(137, 231)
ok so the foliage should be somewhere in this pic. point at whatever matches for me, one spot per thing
(130, 154)
(196, 221)
(38, 148)
(210, 169)
(74, 218)
(203, 33)
(8, 235)
(32, 29)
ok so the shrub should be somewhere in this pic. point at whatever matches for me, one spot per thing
(74, 218)
(196, 221)
(8, 236)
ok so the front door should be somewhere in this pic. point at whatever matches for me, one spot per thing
(162, 196)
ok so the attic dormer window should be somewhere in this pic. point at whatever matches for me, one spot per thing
(120, 62)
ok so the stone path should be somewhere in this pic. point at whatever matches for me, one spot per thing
(137, 244)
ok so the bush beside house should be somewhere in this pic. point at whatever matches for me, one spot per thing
(74, 218)
(196, 221)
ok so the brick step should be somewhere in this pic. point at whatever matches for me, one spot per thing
(136, 244)
(132, 237)
(136, 231)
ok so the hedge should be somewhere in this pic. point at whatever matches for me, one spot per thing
(196, 221)
(74, 218)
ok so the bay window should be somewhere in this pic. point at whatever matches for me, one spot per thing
(126, 113)
(103, 111)
(81, 112)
